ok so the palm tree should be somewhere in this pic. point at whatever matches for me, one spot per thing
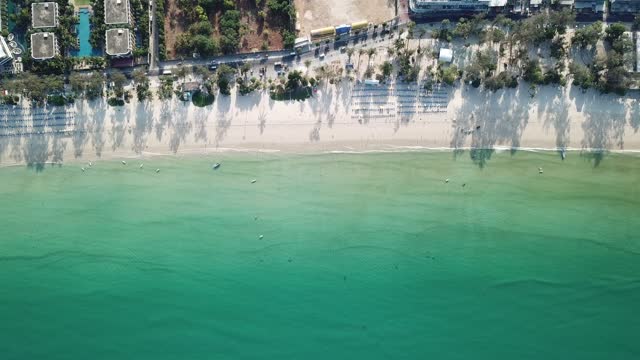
(421, 33)
(361, 51)
(411, 26)
(391, 51)
(307, 64)
(398, 44)
(350, 52)
(371, 52)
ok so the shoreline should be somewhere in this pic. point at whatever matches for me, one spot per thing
(329, 122)
(397, 149)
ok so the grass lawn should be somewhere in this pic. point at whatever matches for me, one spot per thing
(81, 2)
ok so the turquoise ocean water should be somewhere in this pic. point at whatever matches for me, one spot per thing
(363, 257)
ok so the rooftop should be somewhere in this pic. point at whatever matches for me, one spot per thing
(118, 42)
(5, 52)
(43, 45)
(44, 15)
(116, 12)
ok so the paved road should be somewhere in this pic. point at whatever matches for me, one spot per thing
(153, 36)
(259, 59)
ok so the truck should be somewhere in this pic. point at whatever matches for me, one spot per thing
(323, 33)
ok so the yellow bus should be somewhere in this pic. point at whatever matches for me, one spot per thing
(360, 25)
(323, 32)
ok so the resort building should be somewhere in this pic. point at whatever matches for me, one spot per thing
(5, 53)
(535, 5)
(43, 45)
(119, 42)
(453, 8)
(568, 4)
(44, 15)
(590, 8)
(444, 8)
(624, 8)
(638, 51)
(117, 12)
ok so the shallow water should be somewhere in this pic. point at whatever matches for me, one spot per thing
(363, 257)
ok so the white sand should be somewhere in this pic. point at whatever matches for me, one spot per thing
(553, 118)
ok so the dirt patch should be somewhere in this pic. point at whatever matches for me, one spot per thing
(174, 25)
(314, 14)
(257, 34)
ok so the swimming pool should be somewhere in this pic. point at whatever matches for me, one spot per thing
(83, 29)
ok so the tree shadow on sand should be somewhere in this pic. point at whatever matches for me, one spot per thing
(604, 124)
(262, 121)
(490, 119)
(222, 126)
(143, 125)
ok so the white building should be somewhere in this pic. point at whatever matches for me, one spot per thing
(446, 55)
(444, 8)
(638, 52)
(5, 52)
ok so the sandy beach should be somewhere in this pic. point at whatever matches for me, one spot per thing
(335, 119)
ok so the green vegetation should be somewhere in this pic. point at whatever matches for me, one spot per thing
(140, 11)
(444, 32)
(142, 85)
(162, 49)
(89, 85)
(588, 36)
(59, 100)
(502, 80)
(481, 67)
(9, 99)
(532, 72)
(98, 27)
(386, 68)
(279, 14)
(607, 73)
(198, 39)
(246, 87)
(115, 102)
(202, 98)
(449, 74)
(281, 11)
(224, 73)
(36, 88)
(466, 28)
(296, 87)
(166, 88)
(582, 75)
(230, 31)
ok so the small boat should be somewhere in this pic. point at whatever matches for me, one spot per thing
(540, 171)
(216, 166)
(82, 169)
(157, 170)
(446, 181)
(90, 164)
(141, 166)
(124, 162)
(261, 237)
(253, 181)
